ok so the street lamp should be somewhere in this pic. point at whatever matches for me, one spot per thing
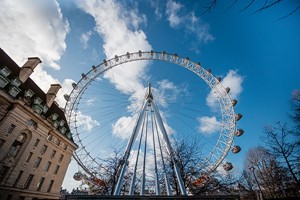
(252, 169)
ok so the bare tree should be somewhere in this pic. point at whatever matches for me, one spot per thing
(266, 175)
(280, 142)
(258, 6)
(295, 116)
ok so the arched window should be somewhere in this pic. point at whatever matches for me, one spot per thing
(16, 146)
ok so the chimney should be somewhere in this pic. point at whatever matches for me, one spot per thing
(28, 67)
(51, 94)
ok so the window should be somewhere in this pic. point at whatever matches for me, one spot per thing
(32, 123)
(53, 154)
(3, 81)
(1, 142)
(28, 93)
(40, 184)
(5, 72)
(49, 137)
(36, 142)
(18, 178)
(37, 100)
(28, 157)
(11, 128)
(44, 149)
(57, 142)
(14, 91)
(16, 82)
(56, 169)
(3, 172)
(28, 181)
(60, 158)
(48, 166)
(37, 162)
(65, 147)
(50, 186)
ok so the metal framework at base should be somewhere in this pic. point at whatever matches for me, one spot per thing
(149, 106)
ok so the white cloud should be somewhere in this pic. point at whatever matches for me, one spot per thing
(35, 30)
(124, 126)
(120, 32)
(232, 80)
(84, 39)
(189, 21)
(172, 13)
(91, 101)
(85, 121)
(208, 125)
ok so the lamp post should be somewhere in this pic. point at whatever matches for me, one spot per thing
(252, 169)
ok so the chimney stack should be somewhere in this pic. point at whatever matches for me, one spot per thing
(51, 94)
(28, 67)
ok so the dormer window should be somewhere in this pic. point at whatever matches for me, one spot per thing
(38, 109)
(69, 135)
(14, 91)
(16, 82)
(62, 130)
(5, 72)
(3, 81)
(54, 116)
(37, 100)
(45, 109)
(55, 123)
(28, 93)
(61, 122)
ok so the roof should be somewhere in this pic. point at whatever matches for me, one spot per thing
(6, 61)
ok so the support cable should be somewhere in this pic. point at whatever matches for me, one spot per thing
(157, 190)
(132, 185)
(167, 183)
(144, 163)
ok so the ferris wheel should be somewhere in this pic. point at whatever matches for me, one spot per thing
(105, 112)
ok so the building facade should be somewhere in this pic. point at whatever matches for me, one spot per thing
(36, 145)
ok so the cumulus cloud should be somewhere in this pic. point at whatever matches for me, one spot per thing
(232, 80)
(172, 13)
(189, 21)
(84, 39)
(208, 125)
(85, 121)
(36, 30)
(119, 29)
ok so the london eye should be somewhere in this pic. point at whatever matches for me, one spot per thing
(142, 118)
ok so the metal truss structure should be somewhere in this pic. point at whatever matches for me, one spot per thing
(150, 111)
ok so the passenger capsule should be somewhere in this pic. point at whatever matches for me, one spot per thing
(116, 58)
(128, 55)
(78, 176)
(227, 90)
(239, 132)
(219, 79)
(140, 53)
(227, 166)
(74, 85)
(208, 71)
(234, 102)
(94, 68)
(105, 62)
(175, 55)
(83, 76)
(236, 149)
(151, 53)
(67, 97)
(238, 117)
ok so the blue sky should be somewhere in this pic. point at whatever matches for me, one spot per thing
(258, 53)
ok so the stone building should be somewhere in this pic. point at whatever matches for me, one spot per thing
(36, 145)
